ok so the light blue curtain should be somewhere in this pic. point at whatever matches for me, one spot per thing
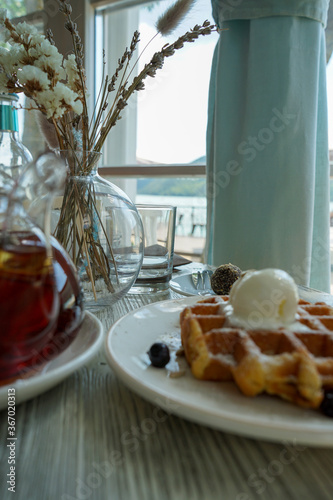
(267, 146)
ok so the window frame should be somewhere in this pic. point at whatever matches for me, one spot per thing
(155, 170)
(84, 15)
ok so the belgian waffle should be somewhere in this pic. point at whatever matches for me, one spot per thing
(295, 363)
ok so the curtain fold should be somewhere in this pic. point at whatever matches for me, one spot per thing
(267, 149)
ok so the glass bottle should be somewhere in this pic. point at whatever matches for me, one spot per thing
(13, 154)
(40, 297)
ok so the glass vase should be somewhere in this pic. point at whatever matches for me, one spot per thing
(101, 230)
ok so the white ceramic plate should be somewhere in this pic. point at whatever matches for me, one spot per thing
(81, 350)
(183, 284)
(219, 405)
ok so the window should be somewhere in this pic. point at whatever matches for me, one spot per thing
(165, 125)
(166, 122)
(17, 8)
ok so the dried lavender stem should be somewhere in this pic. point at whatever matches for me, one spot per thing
(99, 115)
(155, 64)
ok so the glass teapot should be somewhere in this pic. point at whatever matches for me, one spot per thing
(41, 305)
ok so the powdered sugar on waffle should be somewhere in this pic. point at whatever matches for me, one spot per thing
(293, 361)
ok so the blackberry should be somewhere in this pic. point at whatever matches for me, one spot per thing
(327, 404)
(159, 355)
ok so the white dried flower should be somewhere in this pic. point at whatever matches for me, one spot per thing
(24, 29)
(35, 77)
(40, 46)
(37, 40)
(15, 55)
(78, 107)
(5, 60)
(71, 98)
(47, 57)
(48, 49)
(59, 100)
(25, 32)
(51, 66)
(9, 60)
(49, 102)
(4, 34)
(71, 71)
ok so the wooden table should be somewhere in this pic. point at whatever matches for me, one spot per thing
(86, 439)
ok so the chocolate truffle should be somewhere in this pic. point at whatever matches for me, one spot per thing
(224, 277)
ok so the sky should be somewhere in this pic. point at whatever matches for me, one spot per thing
(172, 111)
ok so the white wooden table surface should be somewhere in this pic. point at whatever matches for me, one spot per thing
(84, 439)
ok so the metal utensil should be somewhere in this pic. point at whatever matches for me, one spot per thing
(194, 277)
(201, 281)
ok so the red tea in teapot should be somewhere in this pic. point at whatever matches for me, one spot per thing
(40, 304)
(40, 296)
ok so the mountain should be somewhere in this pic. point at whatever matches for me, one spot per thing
(172, 186)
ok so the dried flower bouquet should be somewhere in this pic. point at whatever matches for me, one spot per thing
(56, 86)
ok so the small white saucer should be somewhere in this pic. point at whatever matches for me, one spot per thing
(184, 285)
(83, 348)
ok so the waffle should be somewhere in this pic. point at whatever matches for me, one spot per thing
(295, 364)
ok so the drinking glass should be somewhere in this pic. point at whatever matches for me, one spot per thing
(159, 236)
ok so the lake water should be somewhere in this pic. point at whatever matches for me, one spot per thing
(191, 212)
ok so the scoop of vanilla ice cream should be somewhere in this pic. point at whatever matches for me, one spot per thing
(264, 298)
